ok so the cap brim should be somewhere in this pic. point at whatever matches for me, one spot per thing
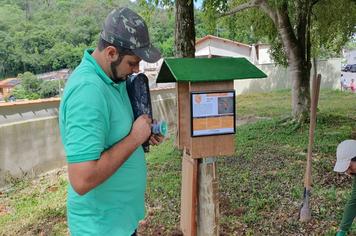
(342, 166)
(149, 54)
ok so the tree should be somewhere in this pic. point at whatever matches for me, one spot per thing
(50, 88)
(298, 30)
(185, 29)
(29, 88)
(32, 32)
(30, 82)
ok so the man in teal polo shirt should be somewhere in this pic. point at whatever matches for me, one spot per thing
(102, 141)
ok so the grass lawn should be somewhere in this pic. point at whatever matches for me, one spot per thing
(260, 187)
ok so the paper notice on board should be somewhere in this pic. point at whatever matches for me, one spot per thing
(213, 113)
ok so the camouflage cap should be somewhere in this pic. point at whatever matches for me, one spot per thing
(124, 28)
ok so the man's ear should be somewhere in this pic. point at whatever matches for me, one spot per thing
(111, 53)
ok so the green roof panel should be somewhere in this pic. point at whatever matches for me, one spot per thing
(207, 70)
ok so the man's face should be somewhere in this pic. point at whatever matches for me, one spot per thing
(124, 66)
(352, 168)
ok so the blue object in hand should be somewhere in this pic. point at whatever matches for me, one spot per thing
(160, 128)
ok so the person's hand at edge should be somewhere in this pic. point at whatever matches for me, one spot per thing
(156, 139)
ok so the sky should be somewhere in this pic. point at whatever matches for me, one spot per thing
(198, 3)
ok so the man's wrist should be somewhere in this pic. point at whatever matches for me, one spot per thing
(133, 140)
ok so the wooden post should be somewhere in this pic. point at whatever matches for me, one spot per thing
(189, 195)
(208, 201)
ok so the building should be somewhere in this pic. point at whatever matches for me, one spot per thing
(213, 46)
(6, 86)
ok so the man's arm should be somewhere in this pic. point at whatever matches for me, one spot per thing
(87, 175)
(350, 209)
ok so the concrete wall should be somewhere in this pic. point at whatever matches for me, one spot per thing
(30, 139)
(29, 147)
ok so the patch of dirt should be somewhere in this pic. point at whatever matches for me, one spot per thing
(44, 227)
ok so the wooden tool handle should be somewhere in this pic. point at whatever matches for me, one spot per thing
(314, 104)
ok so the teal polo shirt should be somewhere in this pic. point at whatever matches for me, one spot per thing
(95, 113)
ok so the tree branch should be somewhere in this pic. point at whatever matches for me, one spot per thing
(270, 12)
(250, 4)
(287, 34)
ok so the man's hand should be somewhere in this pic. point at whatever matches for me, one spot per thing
(141, 129)
(156, 139)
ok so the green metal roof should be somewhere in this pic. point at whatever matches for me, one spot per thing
(207, 70)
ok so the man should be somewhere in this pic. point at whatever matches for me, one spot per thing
(106, 165)
(346, 163)
(343, 83)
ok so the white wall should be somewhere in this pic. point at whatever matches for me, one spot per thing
(218, 48)
(264, 55)
(350, 57)
(278, 77)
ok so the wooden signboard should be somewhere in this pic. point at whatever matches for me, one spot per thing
(203, 146)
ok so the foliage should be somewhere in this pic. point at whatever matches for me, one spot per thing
(30, 82)
(260, 187)
(33, 88)
(29, 88)
(50, 88)
(162, 32)
(46, 35)
(19, 92)
(351, 45)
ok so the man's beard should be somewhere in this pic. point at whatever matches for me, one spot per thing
(114, 72)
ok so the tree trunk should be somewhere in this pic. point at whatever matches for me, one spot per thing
(185, 29)
(298, 64)
(300, 78)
